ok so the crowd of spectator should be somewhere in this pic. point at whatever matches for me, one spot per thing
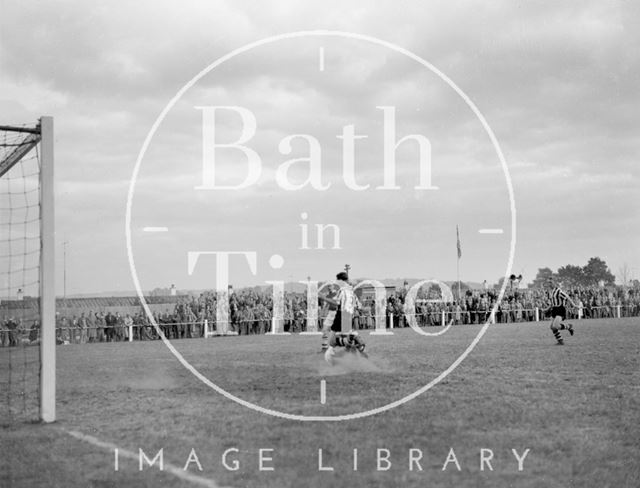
(527, 305)
(251, 313)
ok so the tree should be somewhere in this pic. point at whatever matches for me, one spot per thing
(624, 274)
(572, 275)
(596, 271)
(541, 277)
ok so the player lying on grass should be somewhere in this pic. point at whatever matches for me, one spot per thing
(341, 343)
(559, 301)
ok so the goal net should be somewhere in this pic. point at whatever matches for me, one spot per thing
(27, 297)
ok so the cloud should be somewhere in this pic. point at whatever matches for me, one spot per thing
(557, 84)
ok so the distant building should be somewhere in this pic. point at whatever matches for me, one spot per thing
(28, 307)
(368, 292)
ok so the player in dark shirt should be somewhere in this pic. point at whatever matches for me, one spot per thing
(559, 300)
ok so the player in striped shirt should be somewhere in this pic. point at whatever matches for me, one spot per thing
(559, 300)
(339, 334)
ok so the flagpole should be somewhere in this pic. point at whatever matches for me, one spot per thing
(458, 260)
(458, 273)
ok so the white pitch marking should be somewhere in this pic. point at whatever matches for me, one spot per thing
(168, 468)
(323, 392)
(491, 231)
(321, 58)
(156, 229)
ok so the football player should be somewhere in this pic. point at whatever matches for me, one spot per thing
(337, 332)
(559, 300)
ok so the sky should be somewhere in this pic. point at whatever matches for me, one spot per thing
(501, 110)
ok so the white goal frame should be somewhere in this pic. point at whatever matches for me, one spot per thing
(42, 134)
(47, 275)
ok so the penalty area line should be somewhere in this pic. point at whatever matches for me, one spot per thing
(125, 453)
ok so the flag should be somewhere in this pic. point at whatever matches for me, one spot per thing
(459, 248)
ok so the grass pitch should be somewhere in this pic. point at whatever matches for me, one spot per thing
(575, 407)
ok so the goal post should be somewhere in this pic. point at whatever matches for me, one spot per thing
(47, 275)
(27, 273)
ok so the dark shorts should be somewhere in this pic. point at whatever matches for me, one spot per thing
(336, 326)
(559, 311)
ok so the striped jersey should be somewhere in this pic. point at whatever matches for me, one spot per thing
(346, 298)
(559, 298)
